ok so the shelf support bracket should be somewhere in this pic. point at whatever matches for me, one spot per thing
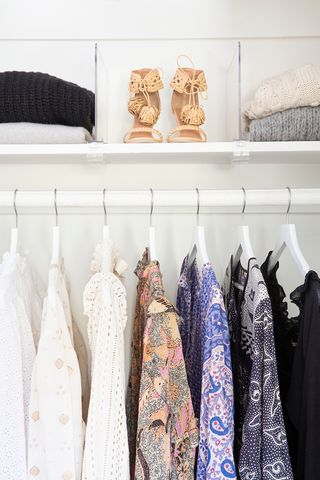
(95, 154)
(241, 151)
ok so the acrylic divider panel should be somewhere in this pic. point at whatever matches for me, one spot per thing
(119, 58)
(232, 78)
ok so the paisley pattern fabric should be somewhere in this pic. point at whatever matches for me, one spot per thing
(167, 433)
(264, 451)
(149, 286)
(286, 332)
(188, 306)
(206, 342)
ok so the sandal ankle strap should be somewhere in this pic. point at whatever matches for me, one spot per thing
(151, 82)
(182, 83)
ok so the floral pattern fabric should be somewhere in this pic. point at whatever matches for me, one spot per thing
(207, 346)
(167, 433)
(149, 286)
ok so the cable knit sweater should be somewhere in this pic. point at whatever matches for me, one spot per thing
(40, 98)
(295, 124)
(295, 88)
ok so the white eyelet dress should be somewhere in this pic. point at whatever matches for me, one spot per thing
(20, 319)
(55, 426)
(106, 455)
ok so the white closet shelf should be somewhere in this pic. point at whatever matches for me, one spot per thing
(210, 152)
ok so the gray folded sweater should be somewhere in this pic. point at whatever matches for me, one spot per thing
(295, 124)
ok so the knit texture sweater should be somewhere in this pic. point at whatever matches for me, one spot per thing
(295, 88)
(40, 98)
(295, 124)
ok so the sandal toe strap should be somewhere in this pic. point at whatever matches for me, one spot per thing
(181, 128)
(156, 134)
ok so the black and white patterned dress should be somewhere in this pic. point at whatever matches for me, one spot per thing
(261, 448)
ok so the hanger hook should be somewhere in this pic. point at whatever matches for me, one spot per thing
(15, 206)
(55, 205)
(104, 205)
(151, 207)
(244, 206)
(289, 203)
(198, 204)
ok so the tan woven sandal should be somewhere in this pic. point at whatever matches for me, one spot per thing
(144, 105)
(187, 84)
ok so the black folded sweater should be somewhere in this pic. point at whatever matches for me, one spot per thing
(40, 98)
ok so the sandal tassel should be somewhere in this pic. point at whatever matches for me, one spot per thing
(135, 105)
(149, 115)
(192, 115)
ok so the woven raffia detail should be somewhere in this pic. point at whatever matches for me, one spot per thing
(192, 115)
(150, 83)
(149, 115)
(182, 83)
(135, 104)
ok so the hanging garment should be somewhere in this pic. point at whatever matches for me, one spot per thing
(261, 445)
(304, 392)
(286, 332)
(149, 287)
(55, 424)
(206, 343)
(20, 318)
(82, 356)
(167, 434)
(106, 454)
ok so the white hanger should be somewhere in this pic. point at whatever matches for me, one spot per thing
(244, 248)
(198, 246)
(152, 234)
(14, 231)
(287, 237)
(106, 228)
(107, 254)
(56, 256)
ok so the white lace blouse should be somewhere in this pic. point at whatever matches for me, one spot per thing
(20, 319)
(55, 425)
(106, 453)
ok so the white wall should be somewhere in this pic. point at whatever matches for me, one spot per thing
(74, 61)
(168, 18)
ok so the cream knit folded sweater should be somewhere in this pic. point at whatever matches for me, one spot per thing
(295, 88)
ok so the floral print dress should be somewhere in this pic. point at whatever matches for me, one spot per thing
(149, 286)
(167, 433)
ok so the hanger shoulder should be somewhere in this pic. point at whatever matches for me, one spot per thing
(245, 242)
(105, 232)
(14, 240)
(288, 238)
(198, 246)
(55, 258)
(152, 244)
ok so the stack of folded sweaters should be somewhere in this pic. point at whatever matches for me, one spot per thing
(38, 108)
(286, 107)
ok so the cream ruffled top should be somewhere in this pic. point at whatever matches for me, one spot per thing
(106, 454)
(294, 88)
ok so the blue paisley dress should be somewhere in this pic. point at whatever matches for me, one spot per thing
(206, 346)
